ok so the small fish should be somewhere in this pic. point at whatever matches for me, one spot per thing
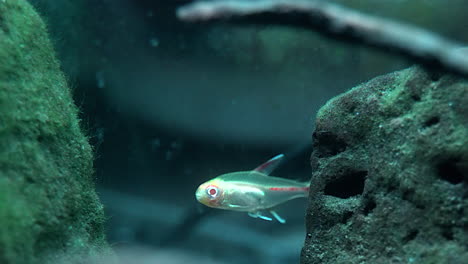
(251, 191)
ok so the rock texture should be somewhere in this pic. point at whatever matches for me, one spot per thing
(49, 211)
(390, 173)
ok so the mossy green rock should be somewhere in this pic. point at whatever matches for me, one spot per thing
(49, 211)
(390, 173)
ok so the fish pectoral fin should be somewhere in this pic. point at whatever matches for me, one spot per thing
(236, 206)
(277, 217)
(259, 215)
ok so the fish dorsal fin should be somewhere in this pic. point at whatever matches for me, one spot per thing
(267, 167)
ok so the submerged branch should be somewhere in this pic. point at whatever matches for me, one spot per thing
(337, 22)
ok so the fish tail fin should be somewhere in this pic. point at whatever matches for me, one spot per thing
(307, 186)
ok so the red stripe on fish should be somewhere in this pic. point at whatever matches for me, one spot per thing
(289, 189)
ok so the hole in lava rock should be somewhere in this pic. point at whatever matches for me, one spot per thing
(352, 109)
(432, 121)
(328, 144)
(416, 97)
(370, 205)
(3, 25)
(407, 194)
(410, 236)
(435, 75)
(450, 170)
(347, 185)
(346, 217)
(447, 233)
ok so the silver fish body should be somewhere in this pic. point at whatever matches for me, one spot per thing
(251, 191)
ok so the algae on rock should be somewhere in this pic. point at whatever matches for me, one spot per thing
(390, 173)
(49, 210)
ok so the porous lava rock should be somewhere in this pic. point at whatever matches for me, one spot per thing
(390, 173)
(49, 211)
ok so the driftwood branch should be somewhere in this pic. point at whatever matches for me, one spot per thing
(339, 22)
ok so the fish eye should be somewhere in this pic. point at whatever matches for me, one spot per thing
(212, 191)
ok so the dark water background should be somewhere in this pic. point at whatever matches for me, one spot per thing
(168, 105)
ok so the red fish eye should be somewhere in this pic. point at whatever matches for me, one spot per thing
(212, 191)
